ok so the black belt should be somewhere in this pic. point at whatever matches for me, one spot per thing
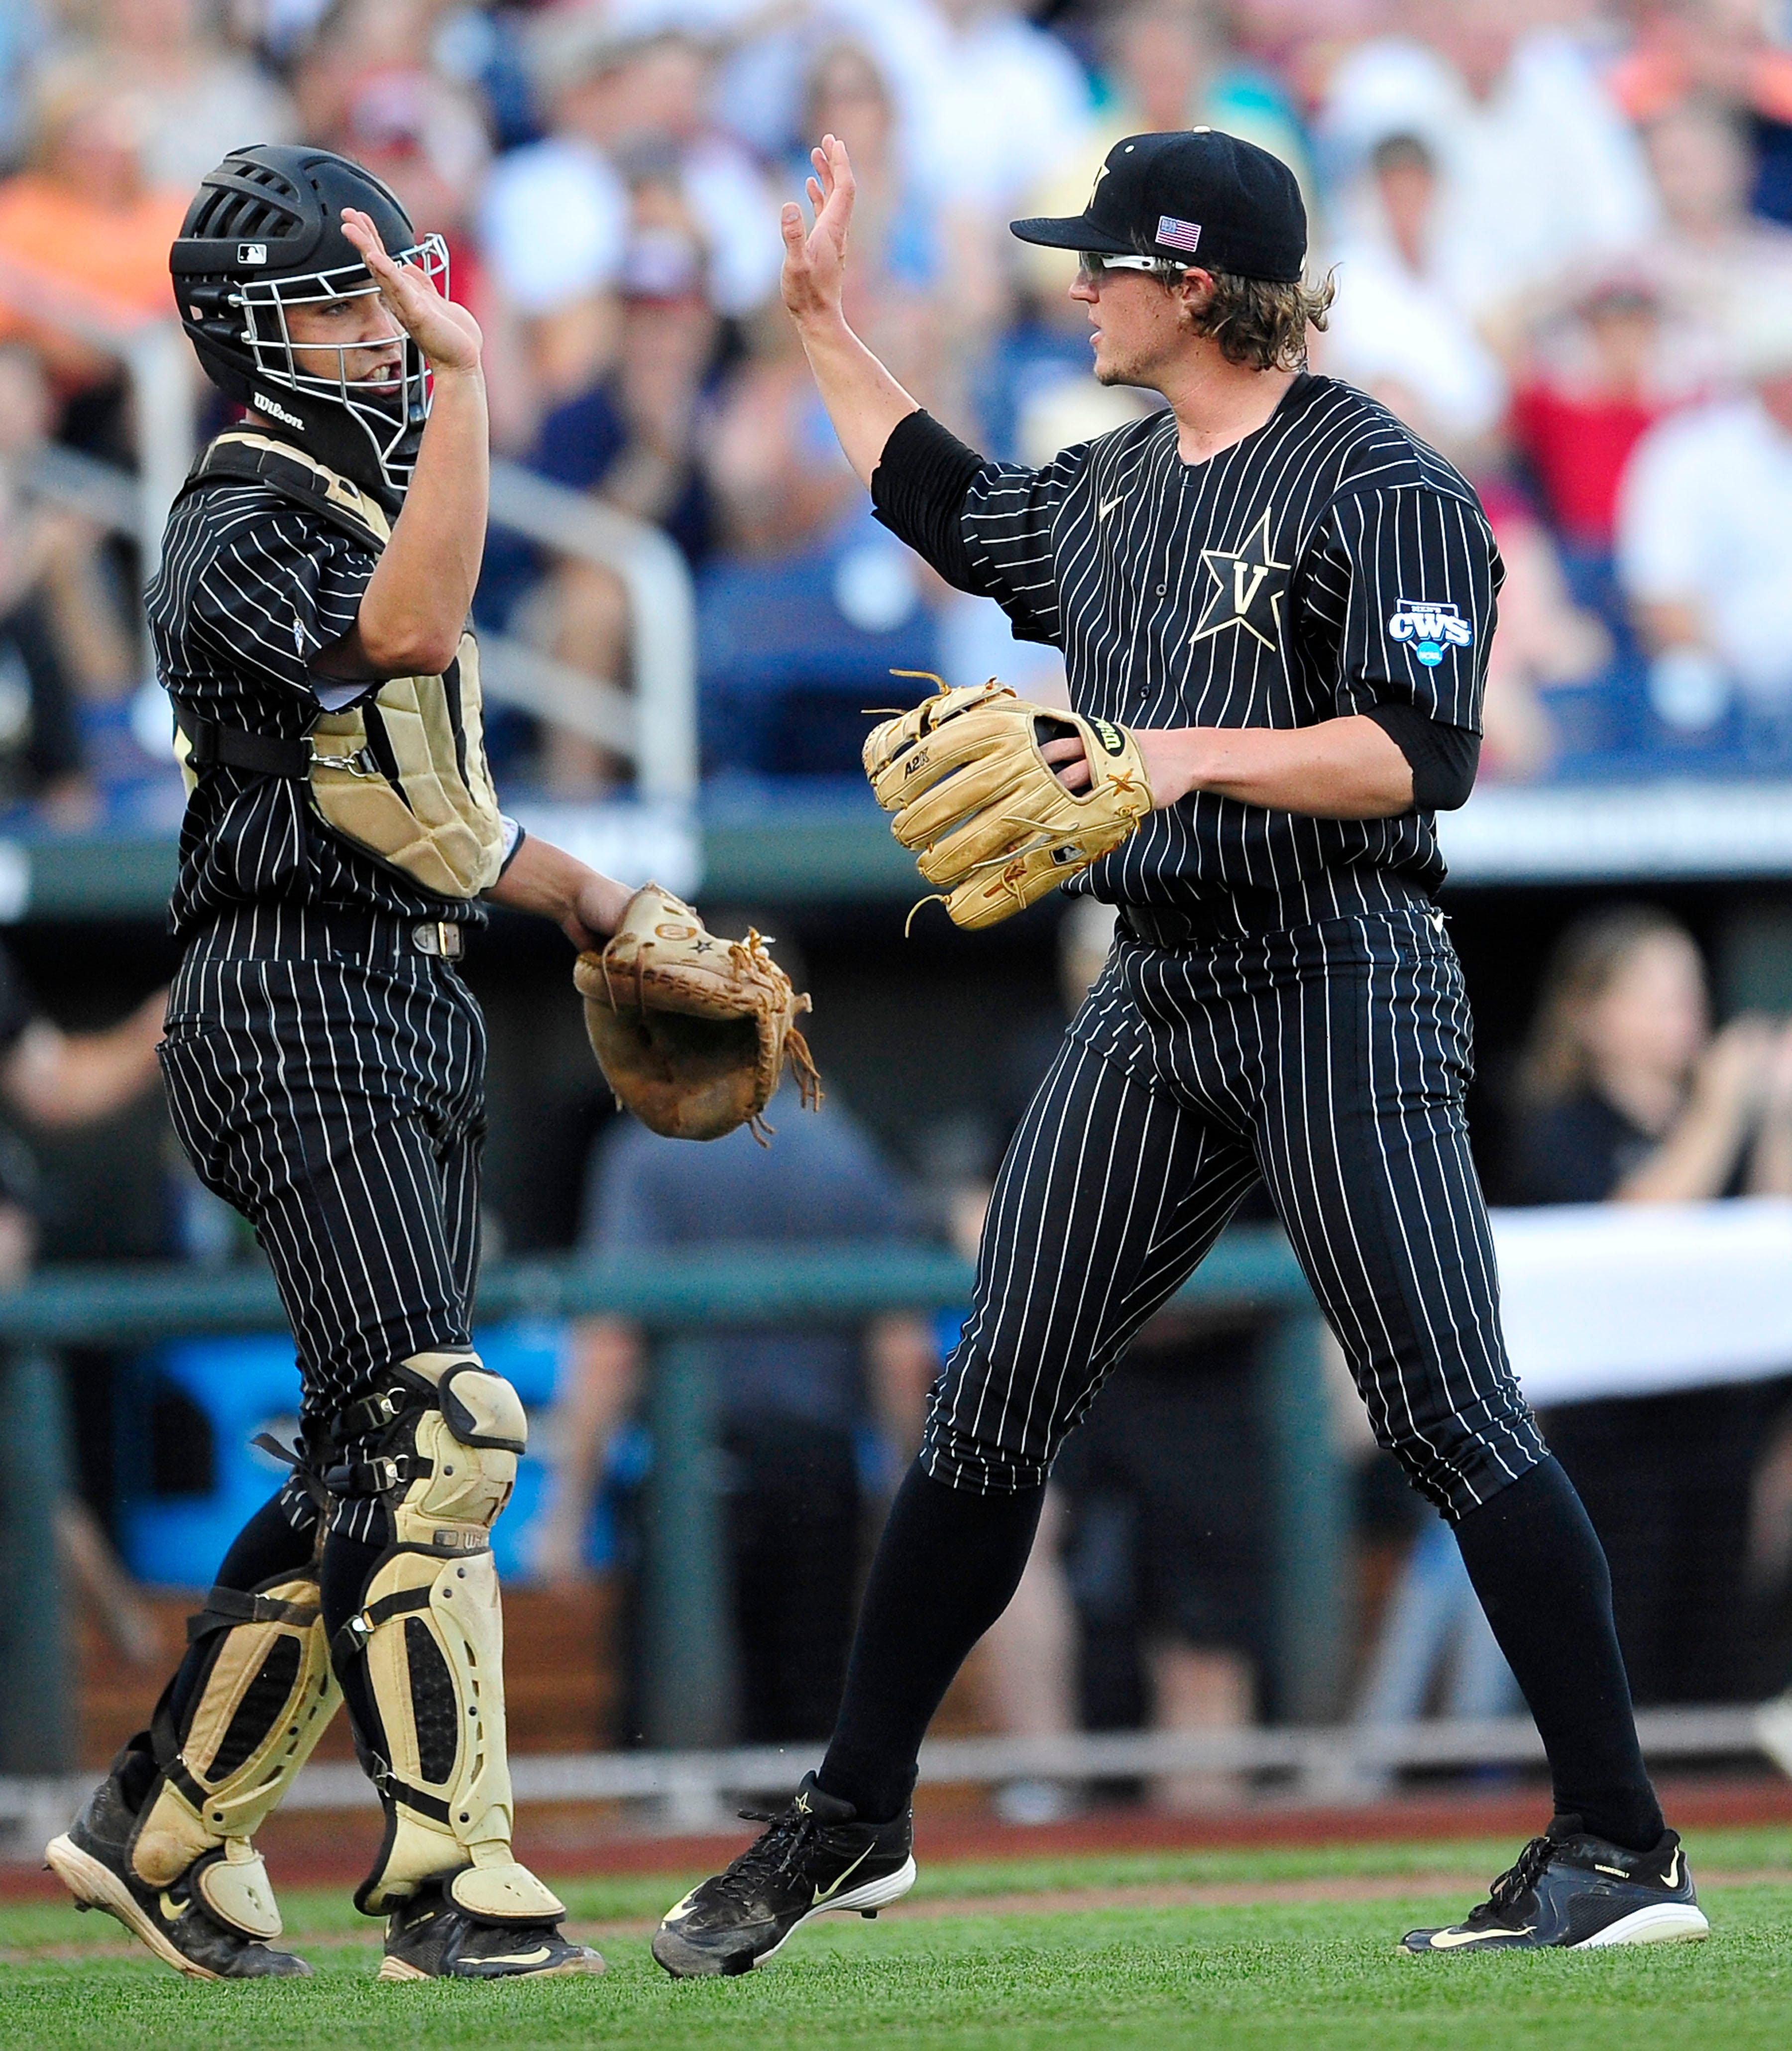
(307, 931)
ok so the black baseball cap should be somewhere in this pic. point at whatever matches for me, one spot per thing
(1190, 195)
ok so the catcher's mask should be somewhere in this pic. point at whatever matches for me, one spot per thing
(263, 235)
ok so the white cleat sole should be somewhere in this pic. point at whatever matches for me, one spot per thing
(1663, 1923)
(874, 1895)
(93, 1885)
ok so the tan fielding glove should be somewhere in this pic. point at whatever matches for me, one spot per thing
(963, 773)
(692, 1032)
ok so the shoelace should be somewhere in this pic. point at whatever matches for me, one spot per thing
(1523, 1874)
(775, 1851)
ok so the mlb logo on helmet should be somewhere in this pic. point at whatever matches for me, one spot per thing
(1430, 628)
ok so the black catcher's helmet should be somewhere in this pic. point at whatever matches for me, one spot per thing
(265, 233)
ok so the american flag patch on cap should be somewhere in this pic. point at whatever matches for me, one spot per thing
(1178, 234)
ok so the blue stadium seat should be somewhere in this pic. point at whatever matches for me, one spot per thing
(793, 648)
(242, 1386)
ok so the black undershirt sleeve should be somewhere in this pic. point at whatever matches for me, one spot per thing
(918, 491)
(1443, 758)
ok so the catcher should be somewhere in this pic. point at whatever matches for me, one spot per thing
(324, 1064)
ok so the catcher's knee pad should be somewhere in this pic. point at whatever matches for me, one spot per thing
(264, 1696)
(429, 1637)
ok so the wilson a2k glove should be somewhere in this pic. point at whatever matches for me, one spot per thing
(995, 829)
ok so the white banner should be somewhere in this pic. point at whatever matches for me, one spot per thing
(1630, 1299)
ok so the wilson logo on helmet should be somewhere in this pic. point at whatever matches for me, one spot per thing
(263, 404)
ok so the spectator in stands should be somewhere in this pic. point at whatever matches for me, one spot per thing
(1541, 173)
(1626, 1095)
(1685, 50)
(200, 97)
(1004, 102)
(1397, 329)
(773, 464)
(1546, 640)
(1712, 254)
(83, 237)
(633, 441)
(796, 1405)
(1595, 380)
(59, 628)
(1704, 547)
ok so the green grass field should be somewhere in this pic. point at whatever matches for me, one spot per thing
(1221, 1949)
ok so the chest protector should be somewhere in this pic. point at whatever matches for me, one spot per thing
(402, 774)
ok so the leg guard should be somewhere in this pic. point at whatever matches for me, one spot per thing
(429, 1637)
(265, 1696)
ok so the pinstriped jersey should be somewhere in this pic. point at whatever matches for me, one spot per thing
(1327, 563)
(250, 590)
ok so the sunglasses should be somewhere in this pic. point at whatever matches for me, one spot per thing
(1093, 263)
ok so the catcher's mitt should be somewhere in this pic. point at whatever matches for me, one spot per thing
(692, 1031)
(970, 788)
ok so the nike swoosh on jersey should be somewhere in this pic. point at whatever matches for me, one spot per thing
(827, 1894)
(1450, 1940)
(1102, 512)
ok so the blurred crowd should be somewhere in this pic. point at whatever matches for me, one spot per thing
(1562, 233)
(1560, 230)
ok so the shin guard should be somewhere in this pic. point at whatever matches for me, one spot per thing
(428, 1639)
(264, 1696)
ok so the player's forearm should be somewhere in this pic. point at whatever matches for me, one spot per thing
(1341, 769)
(863, 400)
(418, 598)
(546, 880)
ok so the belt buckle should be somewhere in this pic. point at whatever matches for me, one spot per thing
(440, 937)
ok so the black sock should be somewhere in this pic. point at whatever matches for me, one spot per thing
(1540, 1572)
(344, 1577)
(947, 1566)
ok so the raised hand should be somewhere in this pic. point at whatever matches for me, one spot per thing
(815, 263)
(448, 335)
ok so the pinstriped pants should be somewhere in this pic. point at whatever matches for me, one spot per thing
(337, 1102)
(1329, 1059)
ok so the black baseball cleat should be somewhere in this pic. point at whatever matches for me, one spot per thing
(91, 1859)
(1578, 1893)
(816, 1857)
(430, 1938)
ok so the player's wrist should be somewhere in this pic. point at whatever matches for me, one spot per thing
(1176, 758)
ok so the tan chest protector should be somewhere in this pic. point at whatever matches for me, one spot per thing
(402, 774)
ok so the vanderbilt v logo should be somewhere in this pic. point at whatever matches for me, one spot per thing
(1246, 581)
(1248, 586)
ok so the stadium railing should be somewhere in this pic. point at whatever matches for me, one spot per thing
(689, 1769)
(677, 1301)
